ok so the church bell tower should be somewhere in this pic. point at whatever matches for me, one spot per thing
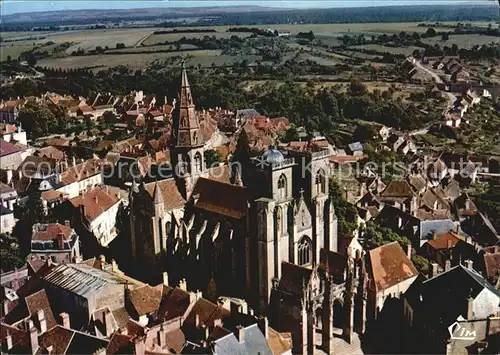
(186, 141)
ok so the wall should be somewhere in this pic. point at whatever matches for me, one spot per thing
(103, 226)
(393, 291)
(7, 222)
(485, 304)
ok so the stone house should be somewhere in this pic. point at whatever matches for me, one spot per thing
(55, 241)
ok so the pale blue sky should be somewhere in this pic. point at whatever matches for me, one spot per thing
(16, 6)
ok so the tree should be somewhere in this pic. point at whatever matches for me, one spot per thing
(364, 133)
(445, 36)
(376, 236)
(109, 117)
(344, 210)
(212, 157)
(10, 253)
(31, 59)
(36, 119)
(357, 88)
(431, 32)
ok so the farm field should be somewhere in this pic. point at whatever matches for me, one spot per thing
(462, 40)
(383, 49)
(141, 60)
(185, 47)
(172, 37)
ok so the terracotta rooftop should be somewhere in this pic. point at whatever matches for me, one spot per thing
(174, 303)
(390, 266)
(279, 343)
(207, 311)
(50, 231)
(81, 171)
(492, 265)
(293, 278)
(444, 241)
(146, 299)
(120, 344)
(397, 189)
(58, 337)
(96, 201)
(172, 198)
(222, 198)
(7, 148)
(336, 262)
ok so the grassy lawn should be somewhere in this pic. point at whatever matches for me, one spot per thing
(172, 37)
(385, 49)
(463, 41)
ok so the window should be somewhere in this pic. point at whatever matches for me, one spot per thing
(282, 186)
(185, 164)
(198, 162)
(320, 182)
(305, 251)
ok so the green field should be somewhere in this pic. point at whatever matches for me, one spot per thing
(172, 37)
(385, 49)
(463, 41)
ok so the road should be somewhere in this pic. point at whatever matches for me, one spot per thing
(451, 98)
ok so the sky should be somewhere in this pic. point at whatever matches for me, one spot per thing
(18, 6)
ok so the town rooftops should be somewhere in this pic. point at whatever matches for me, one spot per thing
(397, 189)
(172, 198)
(81, 279)
(81, 171)
(145, 299)
(444, 241)
(390, 266)
(7, 148)
(50, 231)
(96, 201)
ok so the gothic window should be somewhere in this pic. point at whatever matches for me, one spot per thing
(305, 251)
(185, 164)
(320, 182)
(282, 186)
(198, 162)
(168, 227)
(195, 138)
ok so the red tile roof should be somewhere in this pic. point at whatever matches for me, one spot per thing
(7, 148)
(444, 241)
(145, 299)
(96, 201)
(58, 337)
(171, 196)
(51, 231)
(390, 266)
(222, 198)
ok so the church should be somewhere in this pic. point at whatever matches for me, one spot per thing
(226, 230)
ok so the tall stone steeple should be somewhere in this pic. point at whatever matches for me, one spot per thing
(186, 126)
(187, 141)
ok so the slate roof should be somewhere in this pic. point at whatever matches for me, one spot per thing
(81, 279)
(390, 266)
(427, 228)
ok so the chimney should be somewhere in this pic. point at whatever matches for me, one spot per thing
(42, 321)
(434, 235)
(139, 345)
(65, 320)
(165, 278)
(433, 270)
(468, 264)
(457, 231)
(448, 244)
(124, 330)
(108, 322)
(447, 265)
(197, 320)
(8, 340)
(470, 308)
(264, 327)
(114, 265)
(102, 260)
(240, 333)
(218, 322)
(49, 349)
(408, 250)
(33, 337)
(183, 285)
(162, 339)
(67, 223)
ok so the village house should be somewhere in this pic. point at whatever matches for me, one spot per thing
(434, 305)
(55, 241)
(9, 110)
(448, 249)
(390, 274)
(12, 132)
(11, 156)
(96, 210)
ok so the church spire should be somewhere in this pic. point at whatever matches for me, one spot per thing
(157, 195)
(186, 126)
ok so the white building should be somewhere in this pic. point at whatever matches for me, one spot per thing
(97, 209)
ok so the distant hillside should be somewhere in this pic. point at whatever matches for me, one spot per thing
(255, 15)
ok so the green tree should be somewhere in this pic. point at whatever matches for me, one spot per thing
(10, 253)
(431, 32)
(357, 88)
(344, 210)
(212, 157)
(364, 133)
(31, 59)
(36, 119)
(376, 236)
